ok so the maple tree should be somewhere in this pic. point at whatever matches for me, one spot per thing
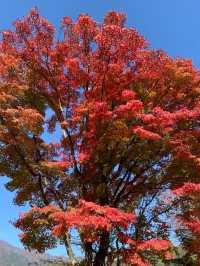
(125, 123)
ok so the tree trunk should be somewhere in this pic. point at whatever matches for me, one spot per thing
(68, 247)
(88, 254)
(100, 258)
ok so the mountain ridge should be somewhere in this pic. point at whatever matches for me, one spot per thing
(14, 256)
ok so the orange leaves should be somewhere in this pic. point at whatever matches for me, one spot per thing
(164, 119)
(114, 18)
(128, 116)
(133, 253)
(128, 94)
(83, 222)
(155, 244)
(36, 225)
(129, 109)
(7, 61)
(186, 189)
(45, 210)
(152, 244)
(66, 21)
(194, 225)
(88, 215)
(34, 21)
(86, 27)
(73, 65)
(145, 134)
(24, 119)
(100, 111)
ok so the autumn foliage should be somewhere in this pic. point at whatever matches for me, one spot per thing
(124, 124)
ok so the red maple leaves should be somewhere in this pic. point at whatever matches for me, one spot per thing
(128, 118)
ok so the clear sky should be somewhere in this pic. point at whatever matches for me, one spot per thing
(173, 25)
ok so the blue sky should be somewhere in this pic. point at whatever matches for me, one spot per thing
(172, 25)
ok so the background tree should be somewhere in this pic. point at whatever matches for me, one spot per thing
(189, 233)
(128, 118)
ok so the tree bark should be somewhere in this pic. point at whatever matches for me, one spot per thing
(100, 258)
(88, 254)
(69, 250)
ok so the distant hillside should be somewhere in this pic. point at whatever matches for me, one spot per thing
(12, 256)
